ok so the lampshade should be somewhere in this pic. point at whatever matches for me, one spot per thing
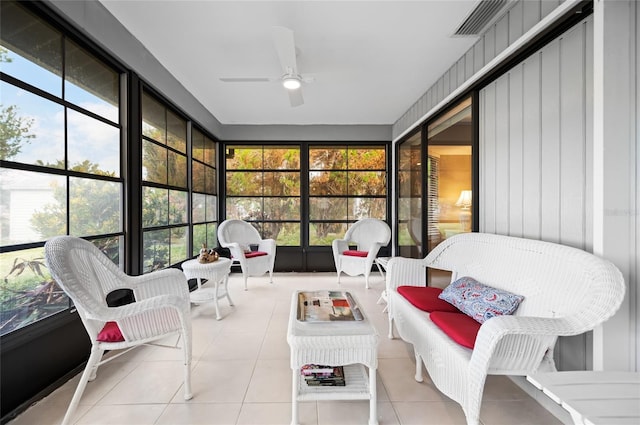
(464, 200)
(291, 82)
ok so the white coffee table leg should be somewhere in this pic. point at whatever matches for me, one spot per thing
(295, 382)
(373, 412)
(216, 286)
(226, 289)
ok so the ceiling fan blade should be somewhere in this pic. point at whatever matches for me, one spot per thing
(295, 97)
(286, 48)
(245, 80)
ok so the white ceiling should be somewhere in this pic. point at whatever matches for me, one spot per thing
(371, 60)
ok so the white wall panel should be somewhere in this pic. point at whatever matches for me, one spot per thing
(533, 164)
(531, 146)
(515, 160)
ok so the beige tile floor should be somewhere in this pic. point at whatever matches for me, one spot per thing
(241, 373)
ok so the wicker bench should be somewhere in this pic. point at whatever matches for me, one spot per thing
(566, 291)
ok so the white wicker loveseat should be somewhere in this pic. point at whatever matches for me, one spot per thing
(566, 291)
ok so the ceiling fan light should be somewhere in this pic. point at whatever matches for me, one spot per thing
(291, 83)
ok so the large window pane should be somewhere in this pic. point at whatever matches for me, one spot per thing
(246, 183)
(179, 245)
(28, 292)
(154, 120)
(244, 158)
(198, 207)
(327, 183)
(328, 209)
(176, 132)
(212, 208)
(346, 183)
(33, 128)
(178, 212)
(34, 49)
(282, 183)
(154, 163)
(155, 206)
(285, 234)
(177, 169)
(156, 245)
(101, 214)
(244, 208)
(94, 147)
(410, 197)
(91, 84)
(198, 177)
(326, 158)
(367, 183)
(34, 206)
(282, 209)
(322, 234)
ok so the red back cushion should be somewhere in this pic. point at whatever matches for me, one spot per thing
(355, 253)
(110, 333)
(460, 327)
(254, 254)
(426, 298)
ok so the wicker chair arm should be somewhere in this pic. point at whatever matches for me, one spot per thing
(405, 271)
(340, 245)
(128, 310)
(161, 282)
(267, 245)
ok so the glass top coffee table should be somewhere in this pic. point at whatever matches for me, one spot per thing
(334, 341)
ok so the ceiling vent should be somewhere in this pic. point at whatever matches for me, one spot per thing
(484, 13)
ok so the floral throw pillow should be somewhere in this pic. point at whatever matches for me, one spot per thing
(480, 301)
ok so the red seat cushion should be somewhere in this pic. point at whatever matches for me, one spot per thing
(110, 333)
(355, 253)
(255, 254)
(460, 327)
(426, 298)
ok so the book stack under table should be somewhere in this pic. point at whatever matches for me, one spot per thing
(323, 376)
(316, 337)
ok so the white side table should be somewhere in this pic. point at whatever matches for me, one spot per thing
(216, 273)
(353, 345)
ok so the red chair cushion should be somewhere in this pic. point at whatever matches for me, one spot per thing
(110, 333)
(426, 298)
(460, 327)
(255, 254)
(355, 253)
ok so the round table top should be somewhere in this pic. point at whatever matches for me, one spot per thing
(191, 266)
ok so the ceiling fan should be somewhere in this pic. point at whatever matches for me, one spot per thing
(291, 79)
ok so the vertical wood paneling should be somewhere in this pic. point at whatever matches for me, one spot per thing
(478, 55)
(468, 61)
(536, 154)
(550, 125)
(572, 136)
(516, 224)
(588, 243)
(502, 34)
(488, 168)
(515, 22)
(531, 140)
(530, 14)
(489, 44)
(501, 151)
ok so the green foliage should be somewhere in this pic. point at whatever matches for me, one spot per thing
(14, 132)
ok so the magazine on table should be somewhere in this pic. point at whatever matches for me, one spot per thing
(327, 306)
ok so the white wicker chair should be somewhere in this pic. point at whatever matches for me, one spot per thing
(368, 235)
(566, 292)
(161, 306)
(237, 235)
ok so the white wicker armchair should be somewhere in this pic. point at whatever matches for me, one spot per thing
(161, 306)
(368, 235)
(566, 291)
(238, 235)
